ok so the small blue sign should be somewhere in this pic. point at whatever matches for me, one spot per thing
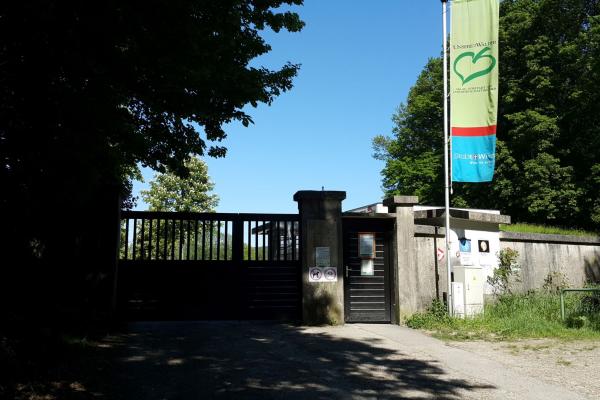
(464, 245)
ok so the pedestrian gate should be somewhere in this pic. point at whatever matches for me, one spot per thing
(183, 265)
(368, 280)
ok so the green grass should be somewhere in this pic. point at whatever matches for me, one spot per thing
(532, 315)
(554, 230)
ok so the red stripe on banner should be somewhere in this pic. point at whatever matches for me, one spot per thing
(474, 131)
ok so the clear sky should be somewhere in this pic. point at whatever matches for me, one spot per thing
(359, 59)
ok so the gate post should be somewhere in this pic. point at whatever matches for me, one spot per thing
(321, 226)
(404, 268)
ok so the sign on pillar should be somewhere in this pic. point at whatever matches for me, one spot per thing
(322, 271)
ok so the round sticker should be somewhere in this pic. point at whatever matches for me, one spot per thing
(316, 274)
(330, 274)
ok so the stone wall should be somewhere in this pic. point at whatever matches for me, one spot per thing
(578, 258)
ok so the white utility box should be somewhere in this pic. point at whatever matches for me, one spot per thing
(458, 300)
(471, 279)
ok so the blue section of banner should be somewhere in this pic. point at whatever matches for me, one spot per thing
(473, 158)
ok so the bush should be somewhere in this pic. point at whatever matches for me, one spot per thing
(436, 314)
(584, 310)
(577, 322)
(507, 272)
(555, 281)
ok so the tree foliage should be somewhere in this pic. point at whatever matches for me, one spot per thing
(91, 90)
(170, 192)
(547, 161)
(414, 162)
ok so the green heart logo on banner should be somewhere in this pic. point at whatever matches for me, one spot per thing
(475, 59)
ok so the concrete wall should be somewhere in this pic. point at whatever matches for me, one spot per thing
(578, 258)
(432, 277)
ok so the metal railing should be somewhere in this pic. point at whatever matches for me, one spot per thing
(188, 236)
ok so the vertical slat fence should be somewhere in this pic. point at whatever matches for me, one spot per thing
(254, 255)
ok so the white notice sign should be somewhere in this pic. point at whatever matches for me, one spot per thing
(322, 257)
(366, 245)
(466, 259)
(367, 267)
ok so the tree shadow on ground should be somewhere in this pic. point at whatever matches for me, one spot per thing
(247, 360)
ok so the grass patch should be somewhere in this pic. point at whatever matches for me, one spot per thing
(551, 230)
(536, 347)
(517, 316)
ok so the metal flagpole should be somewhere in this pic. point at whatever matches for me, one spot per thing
(446, 172)
(450, 132)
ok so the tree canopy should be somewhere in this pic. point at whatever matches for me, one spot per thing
(91, 90)
(547, 161)
(170, 192)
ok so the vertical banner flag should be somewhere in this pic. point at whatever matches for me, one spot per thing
(474, 89)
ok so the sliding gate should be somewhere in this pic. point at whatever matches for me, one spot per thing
(177, 265)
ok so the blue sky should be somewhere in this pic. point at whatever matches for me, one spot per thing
(359, 59)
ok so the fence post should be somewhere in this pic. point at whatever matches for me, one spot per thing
(237, 239)
(237, 257)
(562, 304)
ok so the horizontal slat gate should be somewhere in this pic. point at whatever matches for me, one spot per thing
(272, 274)
(367, 296)
(209, 266)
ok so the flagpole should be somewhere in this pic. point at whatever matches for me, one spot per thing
(446, 172)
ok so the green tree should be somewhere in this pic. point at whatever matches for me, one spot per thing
(547, 161)
(171, 192)
(413, 156)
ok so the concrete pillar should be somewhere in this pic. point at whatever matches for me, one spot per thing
(321, 226)
(405, 268)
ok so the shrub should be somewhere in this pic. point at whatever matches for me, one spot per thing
(507, 272)
(578, 322)
(555, 281)
(436, 314)
(585, 310)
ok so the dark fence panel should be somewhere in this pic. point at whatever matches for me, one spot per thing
(209, 265)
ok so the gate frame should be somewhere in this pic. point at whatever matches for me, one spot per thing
(389, 242)
(242, 292)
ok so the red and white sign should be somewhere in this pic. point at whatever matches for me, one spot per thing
(440, 254)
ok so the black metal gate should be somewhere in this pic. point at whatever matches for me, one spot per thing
(367, 283)
(175, 265)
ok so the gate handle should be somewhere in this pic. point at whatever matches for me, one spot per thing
(346, 271)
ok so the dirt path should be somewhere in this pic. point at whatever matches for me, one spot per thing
(575, 365)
